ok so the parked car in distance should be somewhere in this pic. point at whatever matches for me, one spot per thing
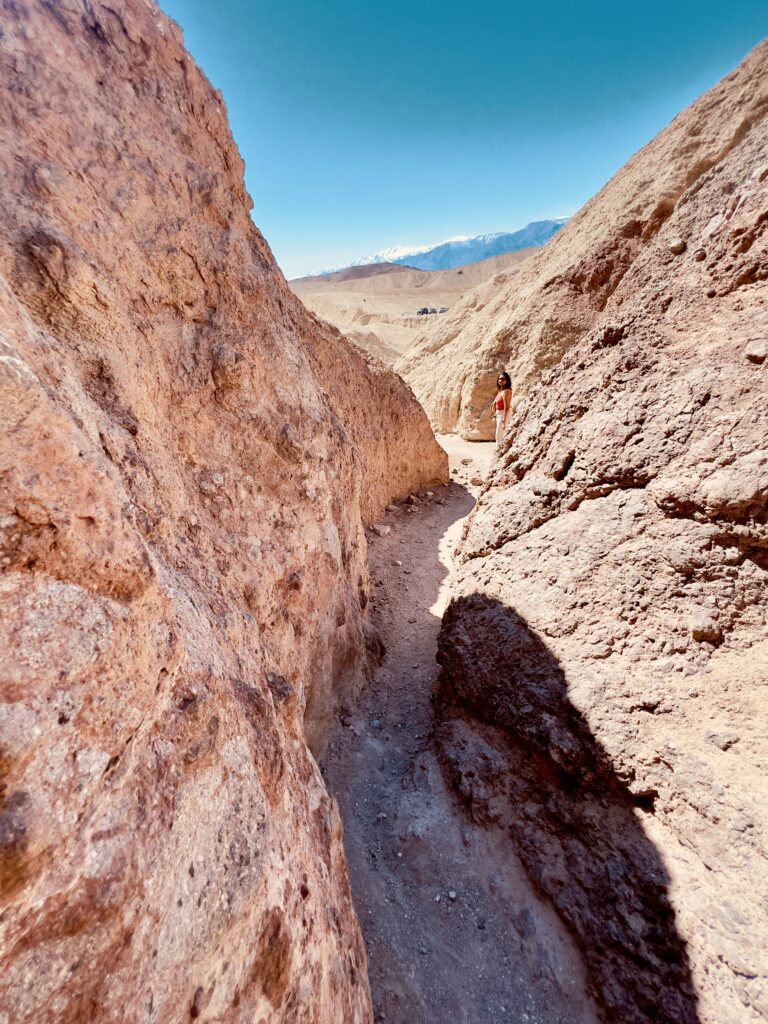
(433, 309)
(423, 311)
(443, 309)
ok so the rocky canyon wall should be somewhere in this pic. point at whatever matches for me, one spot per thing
(555, 299)
(187, 460)
(604, 662)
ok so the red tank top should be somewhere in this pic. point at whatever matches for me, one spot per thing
(500, 402)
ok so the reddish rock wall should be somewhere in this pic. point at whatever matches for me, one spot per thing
(185, 469)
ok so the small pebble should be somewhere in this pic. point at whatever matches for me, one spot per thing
(451, 894)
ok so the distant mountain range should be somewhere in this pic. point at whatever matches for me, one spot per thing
(456, 252)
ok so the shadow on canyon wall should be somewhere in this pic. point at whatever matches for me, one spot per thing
(522, 758)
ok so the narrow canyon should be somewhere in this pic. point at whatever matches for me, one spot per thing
(305, 716)
(455, 930)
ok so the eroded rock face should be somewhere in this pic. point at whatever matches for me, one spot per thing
(585, 272)
(604, 664)
(186, 465)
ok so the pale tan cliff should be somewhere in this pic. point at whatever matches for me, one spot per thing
(186, 465)
(604, 662)
(559, 294)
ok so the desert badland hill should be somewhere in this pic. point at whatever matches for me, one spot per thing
(376, 305)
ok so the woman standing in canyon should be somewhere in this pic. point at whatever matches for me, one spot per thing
(503, 396)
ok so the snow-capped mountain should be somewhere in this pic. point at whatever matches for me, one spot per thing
(395, 254)
(460, 250)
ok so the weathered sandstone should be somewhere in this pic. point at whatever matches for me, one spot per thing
(604, 662)
(582, 275)
(187, 461)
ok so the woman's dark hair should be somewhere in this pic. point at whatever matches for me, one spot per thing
(507, 380)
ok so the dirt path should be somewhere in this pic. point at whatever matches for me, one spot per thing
(454, 932)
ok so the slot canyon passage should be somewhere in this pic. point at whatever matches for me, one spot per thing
(535, 684)
(453, 926)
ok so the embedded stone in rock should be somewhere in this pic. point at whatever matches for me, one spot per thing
(676, 246)
(705, 628)
(724, 740)
(756, 350)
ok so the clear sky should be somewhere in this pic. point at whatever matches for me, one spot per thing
(364, 125)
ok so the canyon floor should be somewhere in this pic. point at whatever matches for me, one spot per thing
(454, 931)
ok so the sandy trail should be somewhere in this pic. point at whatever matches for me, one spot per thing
(453, 929)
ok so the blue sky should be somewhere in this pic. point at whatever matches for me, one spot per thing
(367, 125)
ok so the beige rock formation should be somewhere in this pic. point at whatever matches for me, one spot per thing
(376, 306)
(581, 275)
(604, 662)
(187, 459)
